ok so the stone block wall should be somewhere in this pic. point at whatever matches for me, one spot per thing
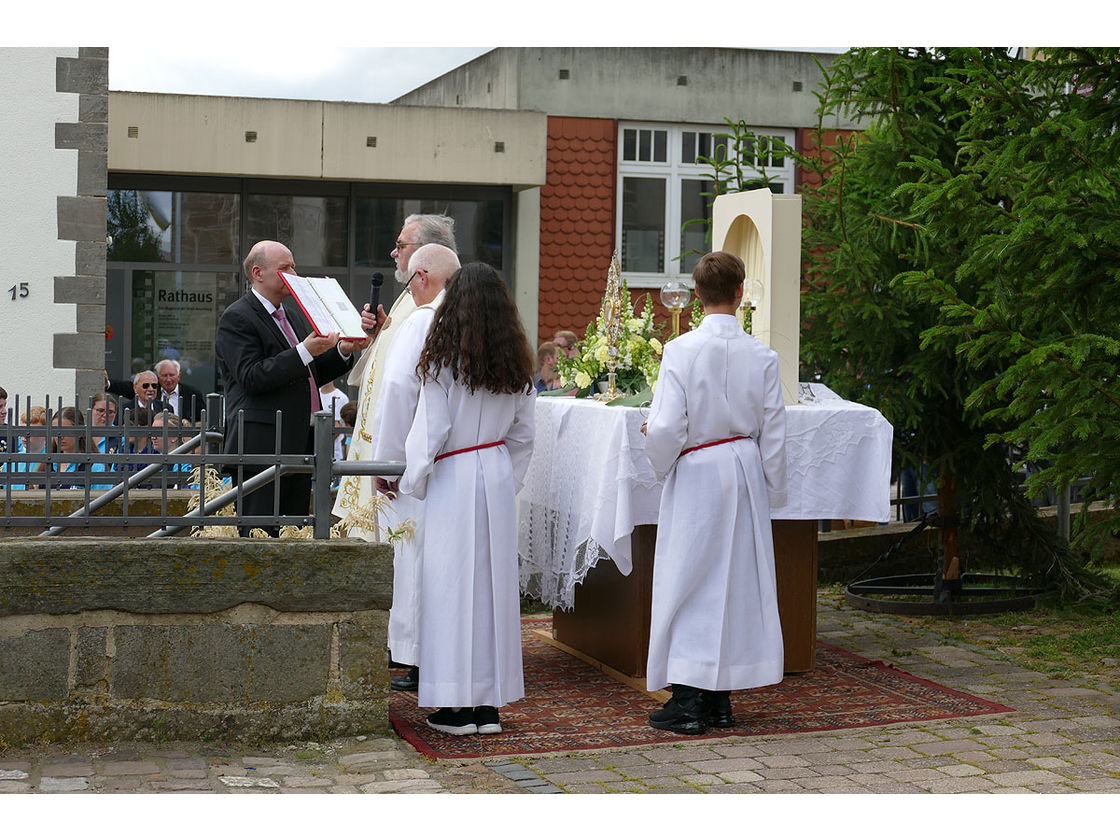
(192, 639)
(81, 217)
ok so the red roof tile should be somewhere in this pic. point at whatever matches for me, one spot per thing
(577, 222)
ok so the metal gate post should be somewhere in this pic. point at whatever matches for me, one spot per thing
(324, 456)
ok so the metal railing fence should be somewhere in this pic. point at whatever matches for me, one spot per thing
(54, 457)
(55, 453)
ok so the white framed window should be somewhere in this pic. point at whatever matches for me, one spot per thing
(660, 187)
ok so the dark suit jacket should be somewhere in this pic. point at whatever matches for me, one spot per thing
(154, 408)
(121, 388)
(191, 402)
(262, 374)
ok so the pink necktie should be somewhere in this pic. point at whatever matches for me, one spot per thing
(290, 334)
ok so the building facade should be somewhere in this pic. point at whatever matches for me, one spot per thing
(628, 129)
(127, 214)
(196, 180)
(52, 220)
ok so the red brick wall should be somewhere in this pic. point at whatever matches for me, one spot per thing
(577, 222)
(807, 145)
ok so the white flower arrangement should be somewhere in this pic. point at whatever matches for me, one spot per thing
(639, 352)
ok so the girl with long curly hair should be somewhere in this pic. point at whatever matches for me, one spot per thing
(467, 454)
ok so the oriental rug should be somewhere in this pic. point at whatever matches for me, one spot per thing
(571, 705)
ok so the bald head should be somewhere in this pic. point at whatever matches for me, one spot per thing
(264, 260)
(432, 266)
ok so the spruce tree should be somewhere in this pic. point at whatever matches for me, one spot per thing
(958, 263)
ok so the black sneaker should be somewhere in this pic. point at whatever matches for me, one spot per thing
(486, 719)
(453, 722)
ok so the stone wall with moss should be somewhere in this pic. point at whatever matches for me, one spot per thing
(192, 639)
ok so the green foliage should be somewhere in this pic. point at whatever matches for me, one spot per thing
(1038, 192)
(131, 238)
(961, 260)
(863, 324)
(733, 167)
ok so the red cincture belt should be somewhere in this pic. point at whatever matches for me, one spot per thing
(470, 449)
(713, 443)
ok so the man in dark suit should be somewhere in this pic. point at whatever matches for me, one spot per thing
(266, 368)
(179, 397)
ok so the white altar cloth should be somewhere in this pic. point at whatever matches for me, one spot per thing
(589, 483)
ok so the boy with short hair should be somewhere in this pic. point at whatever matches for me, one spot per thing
(716, 434)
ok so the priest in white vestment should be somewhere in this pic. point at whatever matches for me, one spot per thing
(467, 454)
(354, 504)
(716, 434)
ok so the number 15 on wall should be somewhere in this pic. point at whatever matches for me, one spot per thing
(19, 290)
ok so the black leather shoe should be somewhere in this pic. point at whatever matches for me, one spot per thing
(715, 708)
(681, 714)
(406, 682)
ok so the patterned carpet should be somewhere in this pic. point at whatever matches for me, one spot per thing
(570, 705)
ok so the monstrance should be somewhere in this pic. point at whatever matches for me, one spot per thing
(610, 317)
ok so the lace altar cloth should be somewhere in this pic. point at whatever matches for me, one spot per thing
(589, 483)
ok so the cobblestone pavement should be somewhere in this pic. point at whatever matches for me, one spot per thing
(1063, 737)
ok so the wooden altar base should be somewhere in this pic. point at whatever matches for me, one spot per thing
(610, 619)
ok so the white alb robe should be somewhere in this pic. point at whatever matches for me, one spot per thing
(354, 502)
(714, 622)
(470, 621)
(396, 407)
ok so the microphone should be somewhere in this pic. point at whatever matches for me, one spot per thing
(375, 293)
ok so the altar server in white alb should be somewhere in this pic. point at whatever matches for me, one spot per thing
(466, 456)
(429, 268)
(716, 434)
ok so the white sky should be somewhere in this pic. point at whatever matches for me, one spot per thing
(352, 74)
(374, 52)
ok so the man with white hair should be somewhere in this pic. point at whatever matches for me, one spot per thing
(429, 270)
(179, 397)
(145, 386)
(355, 503)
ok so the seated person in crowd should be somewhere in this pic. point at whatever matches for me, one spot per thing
(4, 419)
(348, 414)
(72, 443)
(565, 341)
(174, 394)
(103, 412)
(145, 385)
(547, 379)
(165, 437)
(137, 441)
(31, 442)
(333, 400)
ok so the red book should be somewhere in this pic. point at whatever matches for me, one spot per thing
(325, 304)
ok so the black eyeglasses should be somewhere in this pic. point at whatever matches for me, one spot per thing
(402, 245)
(148, 386)
(409, 283)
